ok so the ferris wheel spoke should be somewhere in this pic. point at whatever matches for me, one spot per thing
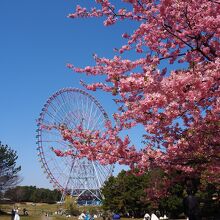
(70, 100)
(89, 117)
(74, 119)
(55, 109)
(61, 112)
(56, 141)
(55, 118)
(83, 114)
(96, 123)
(96, 112)
(70, 108)
(58, 171)
(77, 102)
(87, 105)
(52, 132)
(99, 123)
(66, 107)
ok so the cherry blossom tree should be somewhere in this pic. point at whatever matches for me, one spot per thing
(178, 108)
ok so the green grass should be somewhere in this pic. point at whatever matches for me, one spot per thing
(33, 209)
(35, 218)
(37, 211)
(41, 208)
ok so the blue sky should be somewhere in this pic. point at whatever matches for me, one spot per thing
(36, 41)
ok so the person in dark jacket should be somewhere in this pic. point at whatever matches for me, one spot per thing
(13, 214)
(191, 206)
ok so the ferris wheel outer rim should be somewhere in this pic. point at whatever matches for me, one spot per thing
(42, 160)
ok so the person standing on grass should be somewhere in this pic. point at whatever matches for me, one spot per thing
(13, 214)
(146, 216)
(17, 217)
(87, 216)
(154, 217)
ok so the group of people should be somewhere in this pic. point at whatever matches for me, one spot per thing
(150, 217)
(86, 216)
(15, 213)
(153, 217)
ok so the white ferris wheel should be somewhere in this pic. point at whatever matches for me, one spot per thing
(75, 176)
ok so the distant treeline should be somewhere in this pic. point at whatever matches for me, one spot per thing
(32, 194)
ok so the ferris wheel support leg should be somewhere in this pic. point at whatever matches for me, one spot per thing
(67, 183)
(62, 199)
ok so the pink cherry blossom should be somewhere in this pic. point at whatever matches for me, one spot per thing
(179, 109)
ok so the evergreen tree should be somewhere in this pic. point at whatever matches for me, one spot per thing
(33, 194)
(8, 167)
(124, 194)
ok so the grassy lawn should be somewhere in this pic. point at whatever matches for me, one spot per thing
(37, 218)
(32, 208)
(37, 211)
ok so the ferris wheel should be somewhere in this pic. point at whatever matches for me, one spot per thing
(74, 176)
